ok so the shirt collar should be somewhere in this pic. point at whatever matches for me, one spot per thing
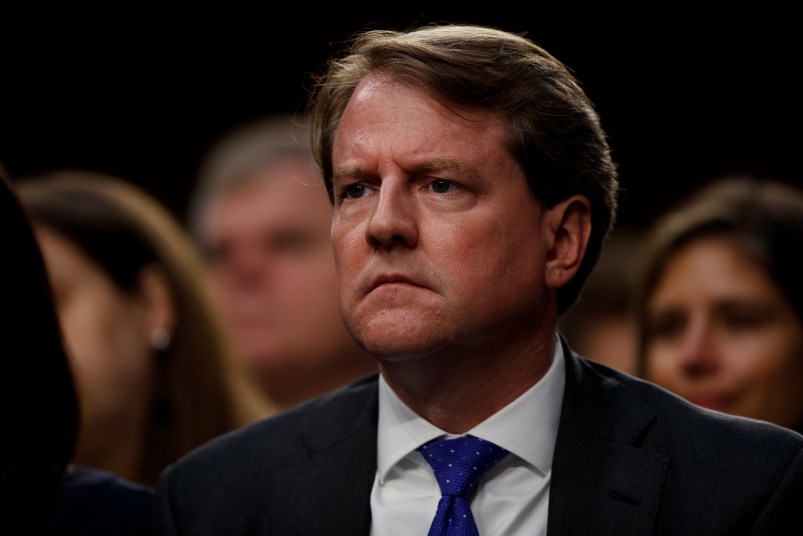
(527, 427)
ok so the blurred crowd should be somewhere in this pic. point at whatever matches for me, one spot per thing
(137, 337)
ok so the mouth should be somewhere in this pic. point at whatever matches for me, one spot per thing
(393, 279)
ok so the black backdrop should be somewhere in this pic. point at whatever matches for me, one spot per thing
(687, 91)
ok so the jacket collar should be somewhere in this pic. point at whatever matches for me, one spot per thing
(602, 482)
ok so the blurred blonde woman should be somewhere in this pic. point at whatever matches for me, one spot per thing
(152, 364)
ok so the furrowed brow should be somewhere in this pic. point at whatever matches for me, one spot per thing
(436, 165)
(439, 165)
(348, 172)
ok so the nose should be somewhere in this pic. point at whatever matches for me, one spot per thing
(698, 351)
(393, 222)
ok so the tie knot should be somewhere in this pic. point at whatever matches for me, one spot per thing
(460, 463)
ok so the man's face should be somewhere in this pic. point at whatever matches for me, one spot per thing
(273, 270)
(437, 237)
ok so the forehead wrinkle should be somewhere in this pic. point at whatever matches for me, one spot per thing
(435, 165)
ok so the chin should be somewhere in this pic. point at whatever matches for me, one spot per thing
(395, 345)
(400, 333)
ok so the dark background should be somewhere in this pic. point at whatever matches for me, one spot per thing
(687, 91)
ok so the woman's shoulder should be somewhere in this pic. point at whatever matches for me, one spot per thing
(96, 501)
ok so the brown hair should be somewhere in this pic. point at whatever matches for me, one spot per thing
(553, 130)
(763, 218)
(199, 392)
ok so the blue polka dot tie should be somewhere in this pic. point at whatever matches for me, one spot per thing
(458, 464)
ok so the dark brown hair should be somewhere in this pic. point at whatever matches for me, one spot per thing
(40, 409)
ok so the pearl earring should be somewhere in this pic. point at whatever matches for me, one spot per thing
(160, 339)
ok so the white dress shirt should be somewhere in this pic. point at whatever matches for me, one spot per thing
(512, 498)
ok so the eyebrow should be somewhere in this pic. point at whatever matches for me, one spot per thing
(353, 172)
(435, 165)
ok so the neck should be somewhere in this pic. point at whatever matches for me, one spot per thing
(457, 389)
(115, 444)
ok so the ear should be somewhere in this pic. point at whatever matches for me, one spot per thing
(158, 305)
(568, 225)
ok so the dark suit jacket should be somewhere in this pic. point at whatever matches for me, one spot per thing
(96, 502)
(630, 459)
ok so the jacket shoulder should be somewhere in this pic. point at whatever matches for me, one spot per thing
(290, 435)
(231, 484)
(676, 420)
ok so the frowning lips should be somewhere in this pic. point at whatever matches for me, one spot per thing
(390, 279)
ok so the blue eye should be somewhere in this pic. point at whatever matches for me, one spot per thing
(441, 186)
(355, 191)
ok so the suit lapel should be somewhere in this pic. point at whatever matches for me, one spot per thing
(602, 483)
(329, 493)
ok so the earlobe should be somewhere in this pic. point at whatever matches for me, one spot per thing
(159, 307)
(569, 226)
